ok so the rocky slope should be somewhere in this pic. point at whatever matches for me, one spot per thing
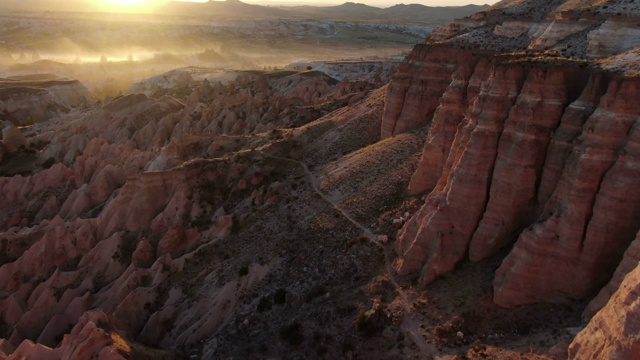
(533, 143)
(187, 215)
(612, 332)
(253, 214)
(27, 100)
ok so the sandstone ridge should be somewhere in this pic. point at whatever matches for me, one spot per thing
(532, 143)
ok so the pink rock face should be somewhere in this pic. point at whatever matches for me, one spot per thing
(30, 194)
(105, 182)
(87, 340)
(592, 216)
(627, 265)
(437, 237)
(444, 127)
(613, 331)
(417, 86)
(26, 102)
(173, 242)
(547, 156)
(223, 226)
(139, 201)
(567, 133)
(59, 243)
(143, 256)
(521, 154)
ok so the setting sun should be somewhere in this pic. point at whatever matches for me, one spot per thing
(125, 4)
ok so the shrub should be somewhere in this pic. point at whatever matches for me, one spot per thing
(369, 322)
(243, 271)
(264, 305)
(71, 264)
(315, 292)
(280, 297)
(292, 333)
(361, 322)
(48, 163)
(127, 247)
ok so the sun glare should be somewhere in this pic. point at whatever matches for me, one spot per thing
(119, 5)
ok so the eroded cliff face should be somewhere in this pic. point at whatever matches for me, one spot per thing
(24, 102)
(612, 332)
(535, 148)
(591, 217)
(417, 87)
(131, 208)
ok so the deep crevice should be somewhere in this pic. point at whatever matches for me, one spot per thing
(487, 199)
(614, 161)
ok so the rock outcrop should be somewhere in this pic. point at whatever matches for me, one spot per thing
(91, 337)
(627, 265)
(25, 102)
(538, 149)
(417, 86)
(13, 139)
(613, 332)
(125, 197)
(535, 151)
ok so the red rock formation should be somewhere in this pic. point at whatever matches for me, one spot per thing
(88, 339)
(436, 237)
(444, 126)
(562, 154)
(603, 162)
(26, 102)
(567, 134)
(577, 236)
(520, 156)
(141, 199)
(627, 265)
(125, 205)
(417, 86)
(23, 197)
(613, 331)
(13, 139)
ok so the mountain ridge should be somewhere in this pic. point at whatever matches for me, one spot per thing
(236, 9)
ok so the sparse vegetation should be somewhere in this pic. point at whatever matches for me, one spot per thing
(71, 264)
(126, 248)
(244, 270)
(280, 297)
(292, 333)
(264, 305)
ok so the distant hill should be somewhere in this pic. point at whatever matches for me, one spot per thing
(235, 9)
(41, 5)
(221, 9)
(348, 11)
(400, 12)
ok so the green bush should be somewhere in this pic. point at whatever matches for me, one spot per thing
(292, 333)
(243, 271)
(264, 305)
(70, 264)
(280, 297)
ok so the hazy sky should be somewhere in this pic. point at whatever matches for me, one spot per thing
(142, 5)
(381, 3)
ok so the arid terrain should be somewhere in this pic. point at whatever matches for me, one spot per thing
(475, 200)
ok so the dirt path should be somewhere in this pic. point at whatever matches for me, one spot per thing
(410, 325)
